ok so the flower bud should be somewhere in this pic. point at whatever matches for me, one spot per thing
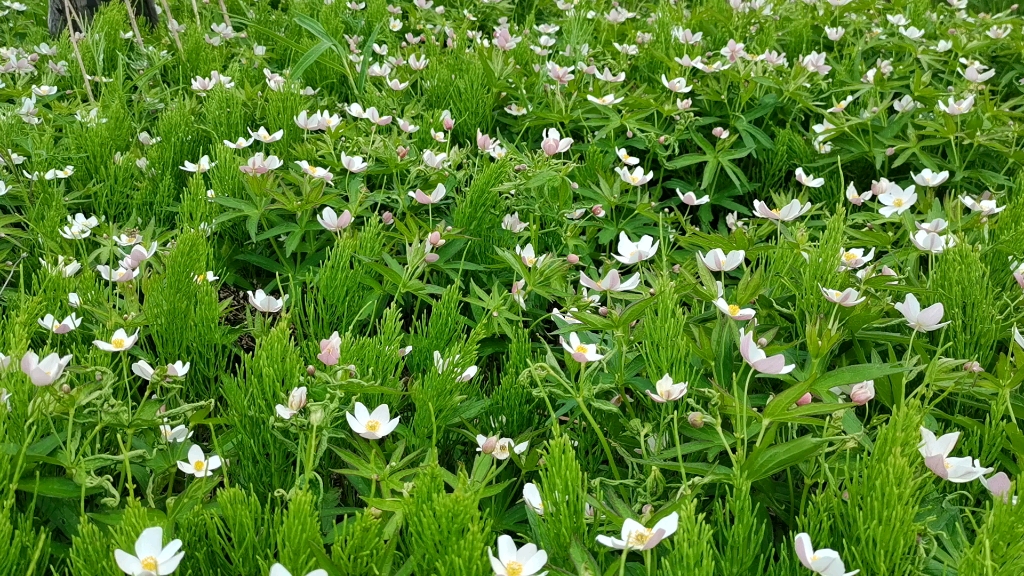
(520, 167)
(804, 400)
(597, 210)
(435, 239)
(65, 389)
(387, 218)
(574, 186)
(572, 259)
(431, 258)
(629, 133)
(973, 367)
(402, 152)
(603, 310)
(489, 445)
(696, 419)
(661, 139)
(762, 342)
(890, 151)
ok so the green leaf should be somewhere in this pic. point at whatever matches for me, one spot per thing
(764, 462)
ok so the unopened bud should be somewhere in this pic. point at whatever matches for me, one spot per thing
(311, 370)
(489, 445)
(431, 258)
(762, 342)
(890, 151)
(696, 419)
(65, 389)
(402, 152)
(572, 259)
(804, 400)
(603, 310)
(387, 218)
(661, 140)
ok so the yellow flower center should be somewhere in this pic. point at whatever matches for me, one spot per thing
(634, 179)
(149, 564)
(530, 261)
(638, 538)
(56, 324)
(775, 210)
(814, 558)
(117, 343)
(199, 465)
(947, 464)
(513, 568)
(372, 425)
(733, 310)
(626, 157)
(837, 294)
(581, 348)
(849, 256)
(898, 202)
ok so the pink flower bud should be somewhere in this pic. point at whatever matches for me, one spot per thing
(402, 152)
(890, 151)
(647, 509)
(762, 342)
(574, 186)
(435, 239)
(489, 445)
(804, 400)
(696, 419)
(597, 210)
(572, 259)
(387, 218)
(311, 370)
(661, 139)
(603, 310)
(629, 133)
(431, 258)
(520, 167)
(973, 367)
(676, 268)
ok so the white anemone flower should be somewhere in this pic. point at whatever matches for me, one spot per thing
(151, 557)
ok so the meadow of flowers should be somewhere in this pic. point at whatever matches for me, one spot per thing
(505, 287)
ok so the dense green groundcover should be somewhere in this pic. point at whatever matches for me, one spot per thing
(486, 286)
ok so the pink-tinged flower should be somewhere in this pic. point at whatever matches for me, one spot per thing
(808, 180)
(633, 252)
(296, 402)
(45, 372)
(372, 425)
(955, 107)
(805, 399)
(434, 197)
(690, 199)
(138, 255)
(626, 158)
(846, 298)
(504, 40)
(757, 359)
(733, 51)
(921, 320)
(266, 137)
(560, 74)
(238, 144)
(932, 242)
(1018, 274)
(512, 223)
(151, 556)
(862, 392)
(316, 172)
(330, 350)
(553, 143)
(856, 198)
(636, 177)
(896, 200)
(668, 390)
(635, 536)
(815, 62)
(120, 275)
(854, 258)
(717, 260)
(930, 179)
(580, 352)
(733, 311)
(512, 561)
(484, 142)
(824, 562)
(936, 226)
(787, 213)
(999, 485)
(264, 302)
(936, 456)
(260, 164)
(119, 342)
(330, 219)
(198, 464)
(353, 164)
(612, 282)
(67, 325)
(200, 84)
(986, 206)
(311, 122)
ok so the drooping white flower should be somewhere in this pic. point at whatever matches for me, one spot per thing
(279, 570)
(296, 401)
(930, 179)
(936, 456)
(531, 496)
(824, 562)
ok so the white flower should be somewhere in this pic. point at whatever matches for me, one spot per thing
(930, 179)
(636, 177)
(531, 496)
(296, 401)
(200, 167)
(896, 200)
(789, 212)
(825, 562)
(580, 352)
(690, 199)
(512, 561)
(45, 372)
(372, 426)
(439, 192)
(198, 464)
(626, 158)
(808, 180)
(668, 390)
(733, 311)
(433, 160)
(718, 261)
(512, 223)
(177, 434)
(265, 302)
(936, 456)
(846, 298)
(67, 325)
(635, 536)
(279, 570)
(931, 242)
(921, 320)
(986, 206)
(151, 558)
(330, 220)
(119, 342)
(854, 258)
(632, 252)
(528, 256)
